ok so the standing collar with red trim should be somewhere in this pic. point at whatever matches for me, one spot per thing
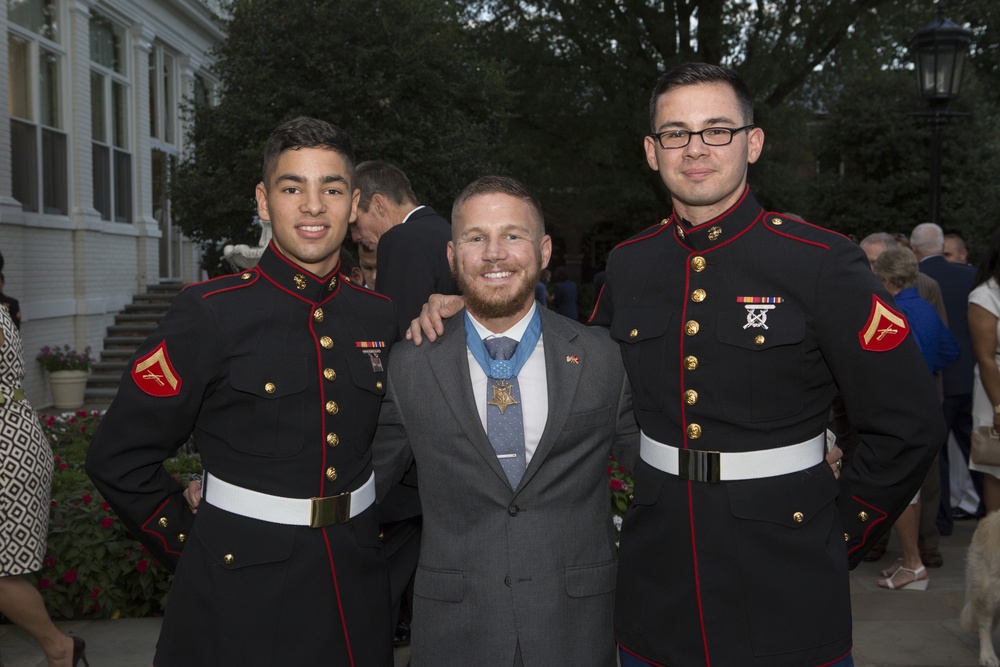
(294, 279)
(721, 229)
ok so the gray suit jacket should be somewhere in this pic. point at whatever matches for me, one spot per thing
(498, 568)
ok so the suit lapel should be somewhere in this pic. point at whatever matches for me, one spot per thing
(450, 366)
(562, 378)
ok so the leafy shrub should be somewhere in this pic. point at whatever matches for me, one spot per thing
(93, 566)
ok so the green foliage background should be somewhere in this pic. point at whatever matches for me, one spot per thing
(556, 93)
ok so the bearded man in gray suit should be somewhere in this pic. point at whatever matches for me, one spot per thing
(517, 564)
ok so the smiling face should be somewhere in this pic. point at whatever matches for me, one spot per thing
(309, 200)
(496, 255)
(703, 180)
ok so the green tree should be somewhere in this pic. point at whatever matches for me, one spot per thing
(404, 77)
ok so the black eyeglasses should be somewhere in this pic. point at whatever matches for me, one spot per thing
(710, 136)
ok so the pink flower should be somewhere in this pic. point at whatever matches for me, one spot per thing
(86, 498)
(81, 413)
(70, 577)
(142, 565)
(50, 561)
(63, 466)
(44, 583)
(94, 593)
(58, 459)
(53, 503)
(617, 485)
(105, 506)
(107, 521)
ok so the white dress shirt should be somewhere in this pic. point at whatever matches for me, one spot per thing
(531, 381)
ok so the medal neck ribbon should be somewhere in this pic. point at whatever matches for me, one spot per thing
(497, 368)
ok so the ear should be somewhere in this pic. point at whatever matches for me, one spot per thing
(378, 204)
(262, 209)
(649, 144)
(546, 250)
(451, 253)
(755, 144)
(355, 198)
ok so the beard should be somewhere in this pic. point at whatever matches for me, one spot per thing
(485, 303)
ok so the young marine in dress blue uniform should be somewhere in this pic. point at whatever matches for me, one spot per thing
(278, 374)
(737, 327)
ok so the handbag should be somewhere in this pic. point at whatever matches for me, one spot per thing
(985, 446)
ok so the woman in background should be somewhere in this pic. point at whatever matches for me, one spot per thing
(25, 481)
(984, 325)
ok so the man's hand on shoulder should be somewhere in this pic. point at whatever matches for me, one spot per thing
(430, 323)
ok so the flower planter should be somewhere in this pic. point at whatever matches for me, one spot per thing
(68, 388)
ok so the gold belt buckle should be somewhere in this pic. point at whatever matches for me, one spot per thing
(698, 465)
(330, 510)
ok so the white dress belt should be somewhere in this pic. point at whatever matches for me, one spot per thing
(313, 512)
(707, 466)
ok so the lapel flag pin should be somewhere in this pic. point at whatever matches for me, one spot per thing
(572, 359)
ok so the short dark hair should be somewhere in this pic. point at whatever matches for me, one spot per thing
(499, 185)
(690, 74)
(378, 177)
(305, 132)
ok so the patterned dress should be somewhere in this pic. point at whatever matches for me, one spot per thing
(25, 465)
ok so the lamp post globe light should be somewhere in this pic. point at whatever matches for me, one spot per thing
(939, 50)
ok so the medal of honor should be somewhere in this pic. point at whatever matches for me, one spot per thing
(501, 396)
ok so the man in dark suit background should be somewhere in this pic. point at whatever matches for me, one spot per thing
(956, 282)
(517, 562)
(410, 239)
(411, 242)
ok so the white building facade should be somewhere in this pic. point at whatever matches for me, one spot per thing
(93, 92)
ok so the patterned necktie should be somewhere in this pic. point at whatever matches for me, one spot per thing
(504, 420)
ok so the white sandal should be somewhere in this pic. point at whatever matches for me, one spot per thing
(916, 584)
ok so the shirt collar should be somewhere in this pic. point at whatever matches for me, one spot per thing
(411, 213)
(516, 332)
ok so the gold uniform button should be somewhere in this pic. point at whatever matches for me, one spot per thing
(714, 233)
(246, 276)
(694, 431)
(331, 473)
(680, 232)
(299, 280)
(776, 222)
(326, 342)
(698, 295)
(163, 522)
(318, 315)
(378, 385)
(862, 516)
(698, 263)
(847, 538)
(332, 439)
(332, 407)
(690, 397)
(691, 327)
(228, 559)
(330, 374)
(759, 340)
(181, 537)
(332, 284)
(690, 363)
(633, 333)
(269, 387)
(798, 517)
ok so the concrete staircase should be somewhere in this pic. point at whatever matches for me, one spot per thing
(123, 338)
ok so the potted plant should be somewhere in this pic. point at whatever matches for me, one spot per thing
(68, 371)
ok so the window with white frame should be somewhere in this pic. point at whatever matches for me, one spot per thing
(163, 95)
(109, 95)
(37, 128)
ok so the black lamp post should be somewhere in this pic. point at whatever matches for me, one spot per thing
(939, 50)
